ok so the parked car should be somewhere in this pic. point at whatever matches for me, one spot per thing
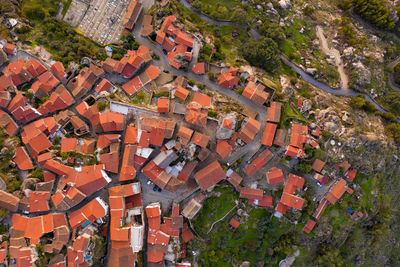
(159, 189)
(166, 71)
(155, 188)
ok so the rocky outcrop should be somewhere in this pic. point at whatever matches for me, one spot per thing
(361, 75)
(285, 4)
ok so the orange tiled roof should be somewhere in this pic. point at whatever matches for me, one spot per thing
(38, 201)
(258, 163)
(249, 130)
(202, 99)
(318, 165)
(185, 133)
(251, 193)
(58, 70)
(163, 105)
(90, 212)
(274, 176)
(223, 148)
(22, 159)
(269, 134)
(309, 226)
(131, 135)
(181, 93)
(199, 68)
(210, 175)
(274, 112)
(292, 201)
(68, 144)
(200, 139)
(337, 191)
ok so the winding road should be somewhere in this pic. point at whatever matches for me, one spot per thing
(306, 77)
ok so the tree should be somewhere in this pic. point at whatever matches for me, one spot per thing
(357, 102)
(273, 31)
(239, 16)
(393, 130)
(394, 102)
(197, 5)
(34, 12)
(304, 168)
(101, 106)
(13, 185)
(263, 53)
(4, 213)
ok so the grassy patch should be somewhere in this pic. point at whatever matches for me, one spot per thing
(259, 237)
(214, 209)
(289, 114)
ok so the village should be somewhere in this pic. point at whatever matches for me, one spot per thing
(129, 151)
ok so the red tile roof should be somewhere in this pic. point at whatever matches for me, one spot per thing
(163, 105)
(274, 176)
(202, 99)
(318, 165)
(337, 191)
(92, 211)
(68, 144)
(210, 175)
(258, 163)
(269, 134)
(274, 112)
(181, 93)
(255, 92)
(22, 159)
(133, 86)
(249, 130)
(234, 223)
(111, 161)
(105, 140)
(132, 14)
(58, 70)
(251, 193)
(104, 85)
(199, 68)
(7, 123)
(292, 201)
(131, 135)
(38, 201)
(309, 226)
(200, 139)
(227, 80)
(223, 148)
(266, 202)
(111, 122)
(10, 48)
(351, 174)
(185, 133)
(187, 235)
(187, 170)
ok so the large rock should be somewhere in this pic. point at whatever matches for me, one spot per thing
(285, 4)
(362, 73)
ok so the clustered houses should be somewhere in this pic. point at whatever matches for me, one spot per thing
(163, 239)
(79, 167)
(126, 223)
(175, 148)
(177, 44)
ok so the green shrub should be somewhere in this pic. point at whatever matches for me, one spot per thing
(101, 106)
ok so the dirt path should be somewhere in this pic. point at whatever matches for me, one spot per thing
(223, 218)
(336, 54)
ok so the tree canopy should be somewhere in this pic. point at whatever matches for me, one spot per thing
(263, 53)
